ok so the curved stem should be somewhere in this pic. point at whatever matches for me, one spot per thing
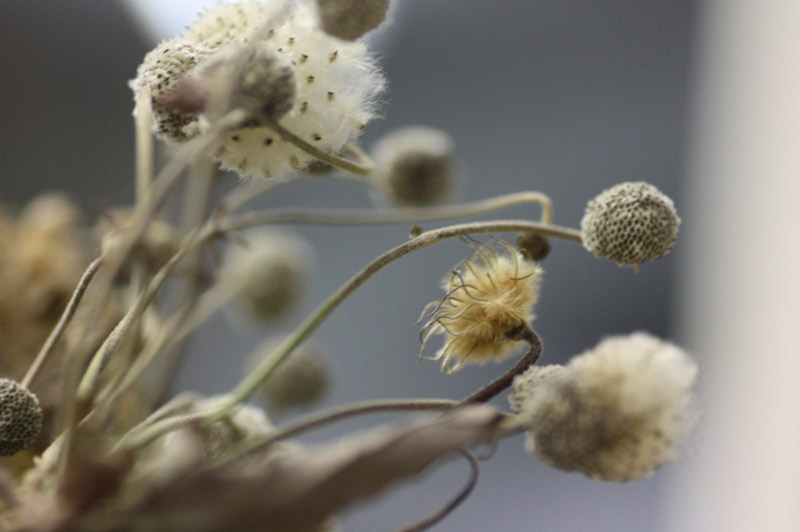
(393, 216)
(504, 381)
(331, 415)
(265, 369)
(63, 321)
(455, 502)
(363, 166)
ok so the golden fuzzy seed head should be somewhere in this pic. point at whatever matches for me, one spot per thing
(630, 223)
(615, 412)
(487, 298)
(20, 417)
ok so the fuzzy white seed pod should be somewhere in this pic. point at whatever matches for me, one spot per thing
(415, 165)
(162, 72)
(20, 417)
(527, 384)
(350, 19)
(299, 381)
(615, 412)
(252, 77)
(270, 273)
(630, 223)
(330, 99)
(488, 298)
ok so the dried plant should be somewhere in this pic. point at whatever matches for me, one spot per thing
(275, 90)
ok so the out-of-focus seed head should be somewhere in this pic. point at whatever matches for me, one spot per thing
(488, 298)
(350, 19)
(615, 412)
(270, 274)
(299, 381)
(20, 417)
(630, 223)
(415, 165)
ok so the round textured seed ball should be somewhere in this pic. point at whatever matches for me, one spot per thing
(20, 417)
(301, 380)
(630, 223)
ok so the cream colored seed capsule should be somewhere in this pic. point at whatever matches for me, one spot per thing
(630, 223)
(615, 412)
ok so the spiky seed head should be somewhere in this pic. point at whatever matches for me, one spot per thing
(331, 97)
(350, 19)
(533, 246)
(487, 299)
(615, 412)
(299, 381)
(20, 417)
(630, 223)
(415, 165)
(270, 273)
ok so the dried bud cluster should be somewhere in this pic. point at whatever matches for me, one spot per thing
(20, 417)
(301, 380)
(615, 412)
(630, 223)
(488, 298)
(269, 274)
(415, 165)
(272, 60)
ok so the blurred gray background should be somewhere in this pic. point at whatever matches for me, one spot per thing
(566, 97)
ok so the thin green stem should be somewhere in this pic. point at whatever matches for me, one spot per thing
(63, 321)
(363, 166)
(392, 216)
(265, 369)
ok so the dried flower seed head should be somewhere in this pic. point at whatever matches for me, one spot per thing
(273, 60)
(615, 412)
(630, 223)
(253, 77)
(301, 380)
(350, 19)
(20, 417)
(270, 274)
(488, 298)
(528, 383)
(533, 246)
(415, 165)
(161, 73)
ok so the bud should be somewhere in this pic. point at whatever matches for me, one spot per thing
(301, 380)
(533, 246)
(270, 274)
(20, 417)
(488, 298)
(350, 19)
(415, 165)
(630, 223)
(615, 412)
